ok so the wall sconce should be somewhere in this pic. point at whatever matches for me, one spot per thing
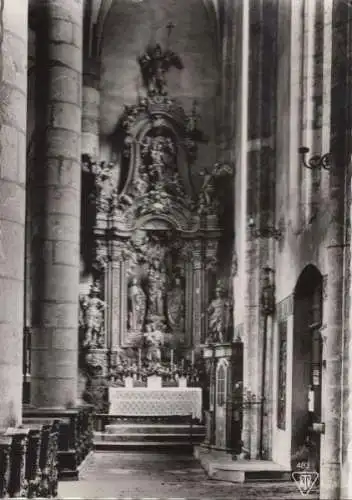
(315, 161)
(264, 232)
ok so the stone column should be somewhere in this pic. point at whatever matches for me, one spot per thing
(90, 108)
(331, 389)
(333, 348)
(55, 323)
(13, 78)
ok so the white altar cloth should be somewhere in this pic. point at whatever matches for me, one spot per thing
(168, 401)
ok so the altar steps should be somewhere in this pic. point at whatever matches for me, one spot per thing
(156, 428)
(149, 436)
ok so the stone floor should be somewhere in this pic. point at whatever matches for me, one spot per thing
(142, 475)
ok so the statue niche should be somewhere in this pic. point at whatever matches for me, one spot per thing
(156, 287)
(136, 306)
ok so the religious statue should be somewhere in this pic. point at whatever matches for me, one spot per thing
(158, 153)
(155, 63)
(140, 184)
(92, 318)
(121, 207)
(136, 306)
(219, 312)
(208, 201)
(176, 305)
(104, 184)
(156, 284)
(154, 338)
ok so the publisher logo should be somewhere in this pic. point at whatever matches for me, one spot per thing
(305, 480)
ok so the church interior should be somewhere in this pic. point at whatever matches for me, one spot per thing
(175, 238)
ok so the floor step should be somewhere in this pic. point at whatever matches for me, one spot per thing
(138, 437)
(153, 429)
(241, 471)
(138, 445)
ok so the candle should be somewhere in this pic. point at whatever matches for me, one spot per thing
(172, 358)
(182, 364)
(192, 357)
(139, 357)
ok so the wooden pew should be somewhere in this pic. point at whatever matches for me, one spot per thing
(5, 450)
(18, 484)
(75, 435)
(42, 471)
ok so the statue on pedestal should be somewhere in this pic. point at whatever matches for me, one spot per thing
(92, 318)
(219, 311)
(154, 338)
(136, 306)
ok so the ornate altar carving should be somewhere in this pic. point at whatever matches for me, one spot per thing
(156, 239)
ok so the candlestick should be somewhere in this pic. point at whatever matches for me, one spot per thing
(139, 357)
(172, 358)
(192, 357)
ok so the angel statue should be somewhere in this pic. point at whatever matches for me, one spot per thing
(154, 65)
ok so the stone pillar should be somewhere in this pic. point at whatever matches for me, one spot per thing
(90, 108)
(331, 388)
(333, 347)
(13, 81)
(55, 322)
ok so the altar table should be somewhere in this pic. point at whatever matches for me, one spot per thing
(168, 401)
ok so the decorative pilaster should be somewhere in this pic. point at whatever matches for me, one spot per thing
(54, 377)
(210, 266)
(13, 83)
(197, 294)
(119, 267)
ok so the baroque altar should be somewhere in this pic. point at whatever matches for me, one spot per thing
(155, 240)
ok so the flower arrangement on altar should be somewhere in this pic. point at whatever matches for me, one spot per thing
(141, 363)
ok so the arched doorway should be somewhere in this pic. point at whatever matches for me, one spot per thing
(307, 367)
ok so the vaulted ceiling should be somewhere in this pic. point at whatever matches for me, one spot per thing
(99, 9)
